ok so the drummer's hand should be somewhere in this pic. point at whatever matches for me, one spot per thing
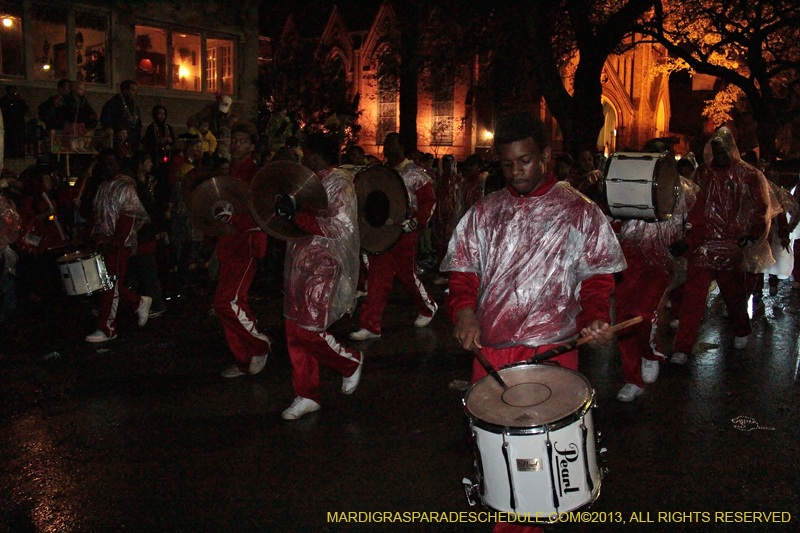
(598, 330)
(467, 330)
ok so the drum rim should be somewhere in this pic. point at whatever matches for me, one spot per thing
(77, 255)
(531, 430)
(594, 496)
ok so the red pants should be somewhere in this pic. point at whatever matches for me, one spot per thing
(400, 261)
(638, 291)
(230, 303)
(116, 260)
(735, 287)
(309, 348)
(505, 356)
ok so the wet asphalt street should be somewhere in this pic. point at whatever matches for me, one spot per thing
(141, 434)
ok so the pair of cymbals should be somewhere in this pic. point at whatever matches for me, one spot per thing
(211, 201)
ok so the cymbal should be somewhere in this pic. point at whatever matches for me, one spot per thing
(221, 195)
(382, 207)
(192, 180)
(289, 178)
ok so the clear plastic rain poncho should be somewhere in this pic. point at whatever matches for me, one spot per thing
(322, 272)
(114, 199)
(735, 202)
(651, 239)
(415, 177)
(784, 259)
(10, 222)
(531, 255)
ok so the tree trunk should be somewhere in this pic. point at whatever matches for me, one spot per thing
(408, 22)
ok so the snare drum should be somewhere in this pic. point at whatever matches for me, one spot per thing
(641, 185)
(534, 442)
(83, 273)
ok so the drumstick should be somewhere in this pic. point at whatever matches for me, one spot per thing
(571, 345)
(488, 367)
(55, 216)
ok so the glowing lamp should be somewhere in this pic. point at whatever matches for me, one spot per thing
(7, 22)
(488, 135)
(146, 65)
(183, 72)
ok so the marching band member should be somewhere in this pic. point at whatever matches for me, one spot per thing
(118, 216)
(640, 287)
(237, 254)
(401, 260)
(731, 214)
(320, 280)
(530, 265)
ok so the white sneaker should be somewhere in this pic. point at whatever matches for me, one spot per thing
(649, 370)
(679, 358)
(629, 392)
(350, 383)
(257, 364)
(144, 310)
(300, 406)
(740, 342)
(364, 334)
(423, 321)
(674, 323)
(232, 372)
(99, 336)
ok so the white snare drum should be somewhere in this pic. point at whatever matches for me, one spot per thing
(83, 273)
(534, 442)
(641, 185)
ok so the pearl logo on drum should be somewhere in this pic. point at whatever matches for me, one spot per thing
(529, 465)
(565, 458)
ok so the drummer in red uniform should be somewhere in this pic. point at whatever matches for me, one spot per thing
(531, 265)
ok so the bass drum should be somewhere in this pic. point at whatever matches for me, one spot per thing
(641, 185)
(382, 207)
(534, 441)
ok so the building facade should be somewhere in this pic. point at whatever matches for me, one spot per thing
(182, 54)
(449, 118)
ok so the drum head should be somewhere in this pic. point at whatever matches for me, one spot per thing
(75, 256)
(382, 207)
(665, 192)
(536, 395)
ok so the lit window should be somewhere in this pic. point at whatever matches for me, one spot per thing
(90, 48)
(11, 46)
(151, 57)
(442, 123)
(387, 108)
(219, 66)
(185, 62)
(49, 31)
